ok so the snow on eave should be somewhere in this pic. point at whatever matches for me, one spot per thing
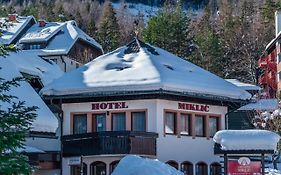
(261, 105)
(245, 86)
(273, 41)
(246, 139)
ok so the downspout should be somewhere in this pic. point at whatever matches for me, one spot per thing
(63, 63)
(61, 134)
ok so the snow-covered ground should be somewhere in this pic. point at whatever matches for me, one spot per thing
(135, 165)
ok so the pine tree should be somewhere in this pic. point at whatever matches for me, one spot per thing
(169, 29)
(15, 122)
(209, 52)
(108, 30)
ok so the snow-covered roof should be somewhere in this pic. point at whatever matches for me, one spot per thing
(30, 149)
(140, 67)
(261, 105)
(13, 28)
(247, 139)
(61, 36)
(136, 165)
(245, 86)
(11, 67)
(28, 61)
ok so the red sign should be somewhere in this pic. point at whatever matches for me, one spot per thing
(244, 166)
(112, 105)
(193, 107)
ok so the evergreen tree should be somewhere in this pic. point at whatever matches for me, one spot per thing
(209, 53)
(169, 29)
(108, 30)
(15, 122)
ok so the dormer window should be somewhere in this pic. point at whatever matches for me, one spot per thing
(34, 46)
(34, 81)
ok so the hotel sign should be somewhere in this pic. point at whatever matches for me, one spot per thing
(109, 105)
(193, 107)
(244, 166)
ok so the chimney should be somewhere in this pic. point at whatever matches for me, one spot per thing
(41, 23)
(12, 17)
(277, 22)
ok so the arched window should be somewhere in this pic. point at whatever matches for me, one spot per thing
(113, 165)
(98, 168)
(173, 164)
(76, 169)
(187, 168)
(201, 168)
(215, 169)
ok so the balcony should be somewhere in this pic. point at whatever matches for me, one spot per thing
(109, 142)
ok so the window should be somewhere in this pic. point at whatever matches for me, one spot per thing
(170, 123)
(187, 168)
(98, 168)
(76, 169)
(79, 123)
(213, 125)
(113, 165)
(201, 168)
(199, 125)
(185, 124)
(173, 163)
(215, 169)
(99, 122)
(119, 121)
(138, 121)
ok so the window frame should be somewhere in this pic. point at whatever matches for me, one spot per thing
(218, 124)
(73, 121)
(116, 112)
(204, 126)
(189, 116)
(187, 163)
(145, 117)
(94, 115)
(95, 163)
(175, 122)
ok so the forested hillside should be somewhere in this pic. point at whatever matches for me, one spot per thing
(226, 37)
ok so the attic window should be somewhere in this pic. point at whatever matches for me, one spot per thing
(169, 67)
(34, 81)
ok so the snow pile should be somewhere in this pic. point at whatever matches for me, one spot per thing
(261, 105)
(119, 71)
(135, 165)
(247, 139)
(270, 171)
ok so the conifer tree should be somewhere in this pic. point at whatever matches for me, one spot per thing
(108, 30)
(15, 122)
(169, 29)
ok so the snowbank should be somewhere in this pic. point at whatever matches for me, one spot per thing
(135, 165)
(270, 171)
(247, 139)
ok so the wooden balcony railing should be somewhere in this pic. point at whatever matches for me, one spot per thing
(109, 142)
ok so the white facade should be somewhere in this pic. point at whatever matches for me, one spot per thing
(169, 147)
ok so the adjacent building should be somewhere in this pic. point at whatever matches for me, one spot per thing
(142, 100)
(62, 42)
(43, 140)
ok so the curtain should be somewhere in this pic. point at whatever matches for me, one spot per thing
(213, 126)
(80, 124)
(119, 121)
(100, 122)
(199, 125)
(139, 121)
(170, 123)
